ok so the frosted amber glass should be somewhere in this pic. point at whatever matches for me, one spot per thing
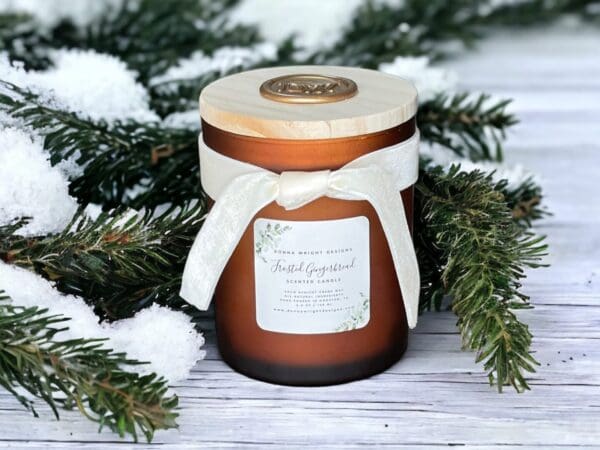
(310, 359)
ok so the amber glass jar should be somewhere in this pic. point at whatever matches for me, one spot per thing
(283, 135)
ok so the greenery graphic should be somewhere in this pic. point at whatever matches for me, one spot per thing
(358, 317)
(269, 239)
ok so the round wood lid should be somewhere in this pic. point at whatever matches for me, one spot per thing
(308, 102)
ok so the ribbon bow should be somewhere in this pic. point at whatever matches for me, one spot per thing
(240, 190)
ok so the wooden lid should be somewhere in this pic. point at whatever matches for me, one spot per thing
(308, 102)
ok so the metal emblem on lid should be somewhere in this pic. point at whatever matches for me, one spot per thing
(307, 88)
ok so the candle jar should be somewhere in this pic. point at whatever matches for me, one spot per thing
(310, 295)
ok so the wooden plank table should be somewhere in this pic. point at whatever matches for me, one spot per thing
(437, 396)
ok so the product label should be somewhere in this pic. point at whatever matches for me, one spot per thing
(312, 277)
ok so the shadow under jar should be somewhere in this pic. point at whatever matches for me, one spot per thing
(274, 323)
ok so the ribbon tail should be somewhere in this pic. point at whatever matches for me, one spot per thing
(377, 187)
(220, 233)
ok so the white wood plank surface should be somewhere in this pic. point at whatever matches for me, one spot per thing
(436, 395)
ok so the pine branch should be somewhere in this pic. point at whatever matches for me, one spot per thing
(149, 35)
(539, 12)
(379, 31)
(116, 157)
(182, 94)
(475, 128)
(119, 263)
(78, 373)
(524, 201)
(23, 41)
(156, 34)
(470, 248)
(470, 127)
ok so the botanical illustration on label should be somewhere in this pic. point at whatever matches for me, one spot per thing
(312, 277)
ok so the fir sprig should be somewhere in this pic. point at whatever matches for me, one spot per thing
(118, 159)
(472, 127)
(182, 94)
(524, 201)
(78, 373)
(23, 40)
(381, 31)
(149, 35)
(153, 34)
(471, 249)
(119, 263)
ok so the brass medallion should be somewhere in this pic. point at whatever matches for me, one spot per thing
(306, 88)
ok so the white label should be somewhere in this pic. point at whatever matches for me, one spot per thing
(312, 277)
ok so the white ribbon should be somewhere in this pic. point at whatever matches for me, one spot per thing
(240, 190)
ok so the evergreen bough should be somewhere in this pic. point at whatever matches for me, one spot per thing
(78, 374)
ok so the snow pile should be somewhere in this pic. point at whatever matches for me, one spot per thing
(31, 186)
(163, 337)
(515, 175)
(429, 81)
(48, 13)
(90, 84)
(222, 60)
